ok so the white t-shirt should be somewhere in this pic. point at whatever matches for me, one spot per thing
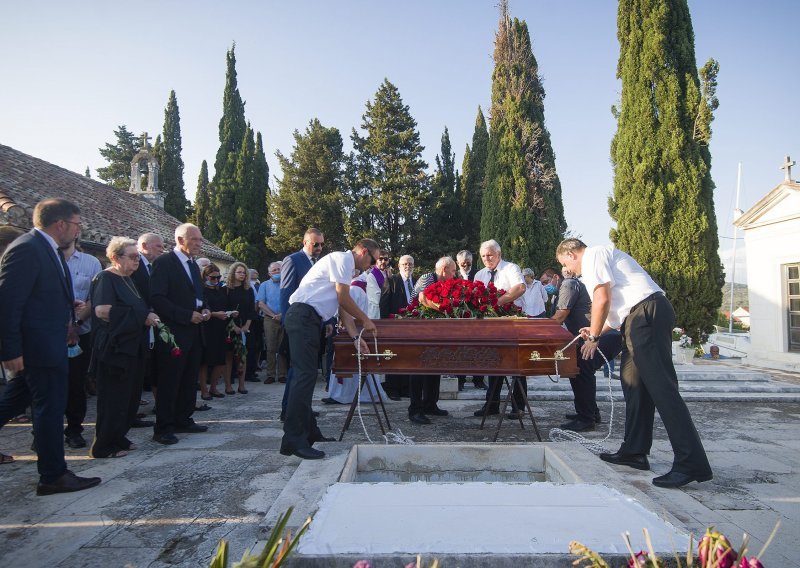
(534, 299)
(630, 283)
(507, 275)
(318, 286)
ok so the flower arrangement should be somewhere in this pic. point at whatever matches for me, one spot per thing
(684, 341)
(165, 335)
(713, 551)
(459, 298)
(239, 347)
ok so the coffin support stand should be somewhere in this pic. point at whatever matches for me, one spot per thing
(516, 380)
(375, 403)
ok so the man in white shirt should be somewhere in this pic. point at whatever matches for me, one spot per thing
(324, 291)
(534, 299)
(624, 296)
(505, 276)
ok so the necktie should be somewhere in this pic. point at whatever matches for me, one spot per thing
(493, 272)
(68, 278)
(194, 270)
(410, 289)
(313, 260)
(149, 268)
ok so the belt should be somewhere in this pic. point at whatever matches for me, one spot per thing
(652, 296)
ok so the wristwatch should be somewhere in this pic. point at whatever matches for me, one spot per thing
(592, 338)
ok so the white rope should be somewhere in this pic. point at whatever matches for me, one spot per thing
(596, 446)
(389, 437)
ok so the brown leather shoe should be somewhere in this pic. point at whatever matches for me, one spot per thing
(67, 483)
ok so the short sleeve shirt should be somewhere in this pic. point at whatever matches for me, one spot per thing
(629, 282)
(507, 275)
(318, 287)
(574, 297)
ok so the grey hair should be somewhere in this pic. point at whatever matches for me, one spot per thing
(492, 245)
(405, 256)
(182, 229)
(117, 245)
(147, 237)
(272, 265)
(528, 272)
(444, 261)
(463, 255)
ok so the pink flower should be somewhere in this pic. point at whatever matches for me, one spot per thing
(363, 564)
(751, 563)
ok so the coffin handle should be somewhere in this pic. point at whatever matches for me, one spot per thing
(558, 355)
(387, 355)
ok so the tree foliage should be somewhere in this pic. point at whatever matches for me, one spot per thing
(202, 200)
(473, 173)
(521, 207)
(170, 176)
(387, 180)
(663, 191)
(310, 192)
(119, 156)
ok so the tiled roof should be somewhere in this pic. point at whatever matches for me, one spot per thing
(105, 211)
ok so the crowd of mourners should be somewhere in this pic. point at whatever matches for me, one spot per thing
(174, 323)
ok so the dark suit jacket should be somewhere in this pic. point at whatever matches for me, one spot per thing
(394, 295)
(472, 272)
(173, 298)
(142, 280)
(35, 303)
(294, 267)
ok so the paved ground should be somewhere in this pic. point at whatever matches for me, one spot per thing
(168, 506)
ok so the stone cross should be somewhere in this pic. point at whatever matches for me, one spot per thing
(145, 138)
(787, 165)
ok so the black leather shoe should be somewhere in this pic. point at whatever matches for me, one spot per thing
(139, 423)
(578, 426)
(75, 441)
(320, 438)
(315, 413)
(436, 411)
(393, 397)
(67, 483)
(479, 384)
(679, 479)
(419, 419)
(331, 401)
(492, 410)
(636, 461)
(166, 439)
(191, 428)
(304, 453)
(575, 417)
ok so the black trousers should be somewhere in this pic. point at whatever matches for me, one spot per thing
(584, 386)
(303, 325)
(118, 392)
(255, 344)
(423, 391)
(649, 383)
(76, 391)
(496, 385)
(177, 382)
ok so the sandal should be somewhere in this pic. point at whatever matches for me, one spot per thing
(230, 392)
(116, 454)
(206, 397)
(242, 391)
(217, 394)
(6, 459)
(203, 407)
(21, 419)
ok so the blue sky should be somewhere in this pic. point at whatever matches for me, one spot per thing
(74, 71)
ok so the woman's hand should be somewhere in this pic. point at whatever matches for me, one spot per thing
(219, 315)
(152, 319)
(103, 312)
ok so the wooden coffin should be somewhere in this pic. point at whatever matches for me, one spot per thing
(492, 346)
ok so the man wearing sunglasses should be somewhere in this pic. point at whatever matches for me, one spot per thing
(293, 269)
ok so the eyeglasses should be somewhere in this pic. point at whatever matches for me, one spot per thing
(132, 256)
(317, 245)
(372, 258)
(383, 258)
(217, 277)
(78, 223)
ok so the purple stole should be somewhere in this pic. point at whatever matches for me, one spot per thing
(379, 277)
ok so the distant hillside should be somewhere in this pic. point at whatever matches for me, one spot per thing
(739, 296)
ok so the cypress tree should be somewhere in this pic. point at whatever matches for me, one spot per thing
(243, 238)
(310, 192)
(117, 173)
(170, 176)
(391, 185)
(473, 173)
(202, 200)
(87, 173)
(232, 127)
(663, 191)
(521, 206)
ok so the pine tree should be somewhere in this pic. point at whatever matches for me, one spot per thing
(473, 173)
(310, 193)
(170, 176)
(202, 200)
(441, 228)
(119, 156)
(663, 191)
(521, 206)
(232, 127)
(390, 185)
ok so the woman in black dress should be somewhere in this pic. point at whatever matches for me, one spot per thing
(242, 300)
(215, 334)
(120, 323)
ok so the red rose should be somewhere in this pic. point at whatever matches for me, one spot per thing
(466, 314)
(415, 313)
(402, 310)
(228, 340)
(176, 352)
(483, 308)
(392, 316)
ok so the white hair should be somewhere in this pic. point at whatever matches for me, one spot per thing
(464, 255)
(406, 257)
(443, 262)
(492, 245)
(182, 229)
(148, 237)
(277, 264)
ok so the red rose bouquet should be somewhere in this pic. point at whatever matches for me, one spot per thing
(165, 335)
(459, 298)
